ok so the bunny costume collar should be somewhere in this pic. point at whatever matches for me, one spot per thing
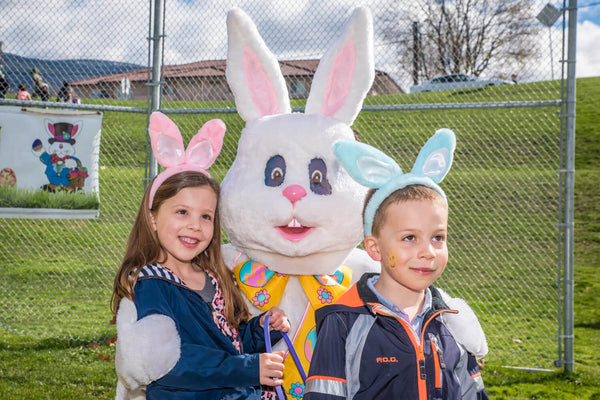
(264, 289)
(372, 168)
(167, 146)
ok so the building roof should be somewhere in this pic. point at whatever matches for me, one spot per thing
(199, 69)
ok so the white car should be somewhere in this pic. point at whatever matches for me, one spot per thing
(455, 81)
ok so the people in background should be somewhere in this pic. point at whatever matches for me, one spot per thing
(4, 86)
(65, 93)
(23, 94)
(41, 87)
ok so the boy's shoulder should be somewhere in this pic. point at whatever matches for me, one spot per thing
(355, 300)
(464, 324)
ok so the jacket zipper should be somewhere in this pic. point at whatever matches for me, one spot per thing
(420, 354)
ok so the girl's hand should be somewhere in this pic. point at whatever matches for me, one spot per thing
(277, 320)
(271, 368)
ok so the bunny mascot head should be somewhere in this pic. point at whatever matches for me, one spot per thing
(286, 201)
(292, 213)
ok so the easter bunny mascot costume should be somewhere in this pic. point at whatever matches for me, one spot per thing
(291, 212)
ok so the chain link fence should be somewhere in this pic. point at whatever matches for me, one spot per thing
(497, 82)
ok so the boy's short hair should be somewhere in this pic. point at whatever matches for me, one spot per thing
(406, 193)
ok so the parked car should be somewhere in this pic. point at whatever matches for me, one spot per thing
(456, 81)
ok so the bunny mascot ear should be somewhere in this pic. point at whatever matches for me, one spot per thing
(253, 72)
(167, 145)
(372, 168)
(346, 71)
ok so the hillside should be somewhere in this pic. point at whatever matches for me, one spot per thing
(17, 70)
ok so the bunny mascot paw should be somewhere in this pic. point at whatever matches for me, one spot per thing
(465, 326)
(146, 350)
(291, 212)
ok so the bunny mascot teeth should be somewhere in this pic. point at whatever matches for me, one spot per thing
(291, 212)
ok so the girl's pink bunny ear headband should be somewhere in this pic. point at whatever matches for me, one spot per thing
(167, 146)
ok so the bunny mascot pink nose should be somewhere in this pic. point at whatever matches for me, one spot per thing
(294, 193)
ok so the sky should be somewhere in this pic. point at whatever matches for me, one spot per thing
(117, 30)
(588, 38)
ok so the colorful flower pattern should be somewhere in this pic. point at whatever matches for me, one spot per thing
(261, 298)
(325, 296)
(297, 390)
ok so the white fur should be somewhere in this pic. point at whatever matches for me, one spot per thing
(464, 326)
(146, 350)
(250, 210)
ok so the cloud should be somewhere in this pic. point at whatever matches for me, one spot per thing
(118, 30)
(588, 56)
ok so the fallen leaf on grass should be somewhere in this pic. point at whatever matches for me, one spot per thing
(104, 358)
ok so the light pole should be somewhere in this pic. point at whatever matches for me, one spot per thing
(548, 17)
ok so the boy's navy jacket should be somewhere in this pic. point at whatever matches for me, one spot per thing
(209, 366)
(365, 351)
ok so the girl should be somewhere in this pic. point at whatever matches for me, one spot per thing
(173, 268)
(23, 94)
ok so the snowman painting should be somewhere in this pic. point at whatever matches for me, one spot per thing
(63, 170)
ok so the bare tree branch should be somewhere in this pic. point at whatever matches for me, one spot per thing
(462, 36)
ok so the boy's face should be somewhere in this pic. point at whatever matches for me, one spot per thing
(411, 243)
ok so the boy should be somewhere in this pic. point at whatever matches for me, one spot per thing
(393, 335)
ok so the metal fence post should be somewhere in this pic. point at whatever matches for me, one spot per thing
(157, 40)
(569, 188)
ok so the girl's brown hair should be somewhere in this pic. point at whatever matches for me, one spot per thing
(144, 248)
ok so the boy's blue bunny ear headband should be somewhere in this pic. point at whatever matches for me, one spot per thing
(372, 168)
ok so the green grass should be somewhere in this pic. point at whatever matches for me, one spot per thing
(21, 198)
(33, 366)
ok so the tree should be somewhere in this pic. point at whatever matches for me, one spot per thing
(438, 37)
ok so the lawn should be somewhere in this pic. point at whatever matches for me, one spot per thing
(34, 366)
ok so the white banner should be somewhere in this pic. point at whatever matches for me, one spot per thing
(49, 149)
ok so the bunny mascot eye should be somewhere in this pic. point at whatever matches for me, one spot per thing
(275, 171)
(317, 169)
